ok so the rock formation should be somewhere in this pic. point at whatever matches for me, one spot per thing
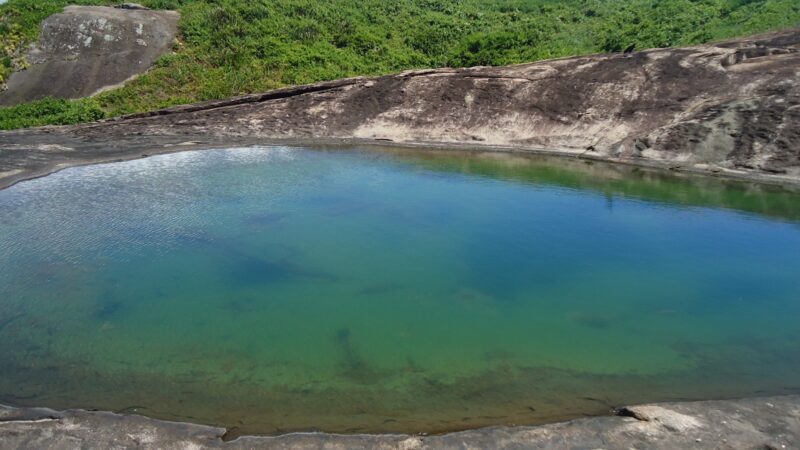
(730, 108)
(764, 423)
(86, 49)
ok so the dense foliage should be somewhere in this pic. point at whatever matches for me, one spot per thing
(230, 47)
(50, 111)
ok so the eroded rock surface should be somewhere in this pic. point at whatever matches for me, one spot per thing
(768, 423)
(730, 108)
(86, 49)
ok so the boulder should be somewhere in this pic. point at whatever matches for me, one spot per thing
(87, 49)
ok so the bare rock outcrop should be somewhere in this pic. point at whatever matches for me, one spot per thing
(768, 423)
(86, 49)
(730, 108)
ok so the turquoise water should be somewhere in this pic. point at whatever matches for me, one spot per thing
(279, 289)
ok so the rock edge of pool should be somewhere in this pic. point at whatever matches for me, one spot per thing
(763, 422)
(729, 108)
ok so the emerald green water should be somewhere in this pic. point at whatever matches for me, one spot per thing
(278, 289)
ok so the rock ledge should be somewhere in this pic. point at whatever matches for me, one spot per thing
(727, 109)
(769, 423)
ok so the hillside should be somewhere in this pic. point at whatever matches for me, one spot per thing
(729, 108)
(233, 47)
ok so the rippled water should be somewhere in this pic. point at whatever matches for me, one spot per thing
(276, 289)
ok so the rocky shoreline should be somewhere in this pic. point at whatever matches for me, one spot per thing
(728, 109)
(766, 423)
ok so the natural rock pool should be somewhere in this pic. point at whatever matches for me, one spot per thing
(278, 289)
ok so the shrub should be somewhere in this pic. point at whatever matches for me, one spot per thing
(50, 111)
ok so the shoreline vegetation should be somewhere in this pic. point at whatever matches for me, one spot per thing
(234, 47)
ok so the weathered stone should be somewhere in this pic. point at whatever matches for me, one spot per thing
(86, 49)
(699, 109)
(733, 424)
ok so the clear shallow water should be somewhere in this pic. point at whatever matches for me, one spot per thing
(277, 289)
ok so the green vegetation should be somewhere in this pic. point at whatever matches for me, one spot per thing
(51, 111)
(231, 47)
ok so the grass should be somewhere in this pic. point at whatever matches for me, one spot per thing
(232, 47)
